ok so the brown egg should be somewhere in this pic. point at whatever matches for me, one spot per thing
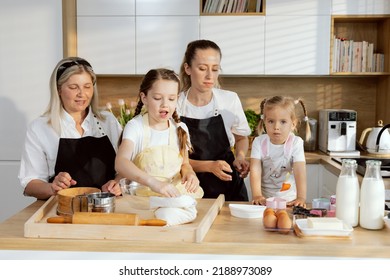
(268, 211)
(281, 212)
(284, 223)
(270, 220)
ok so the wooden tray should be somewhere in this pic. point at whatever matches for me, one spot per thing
(208, 209)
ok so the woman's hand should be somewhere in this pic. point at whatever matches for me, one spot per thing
(242, 166)
(113, 187)
(191, 182)
(221, 168)
(62, 181)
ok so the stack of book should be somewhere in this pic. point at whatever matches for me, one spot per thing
(229, 6)
(351, 56)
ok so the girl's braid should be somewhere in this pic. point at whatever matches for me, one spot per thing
(182, 135)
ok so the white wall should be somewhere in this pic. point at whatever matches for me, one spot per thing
(30, 47)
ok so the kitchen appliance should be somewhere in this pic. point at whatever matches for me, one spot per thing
(337, 131)
(378, 140)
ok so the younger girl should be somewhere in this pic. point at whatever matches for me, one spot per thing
(278, 155)
(154, 149)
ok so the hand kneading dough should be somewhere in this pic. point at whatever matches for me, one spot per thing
(174, 210)
(146, 191)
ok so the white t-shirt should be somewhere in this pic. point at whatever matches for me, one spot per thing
(41, 145)
(276, 152)
(277, 158)
(134, 131)
(224, 102)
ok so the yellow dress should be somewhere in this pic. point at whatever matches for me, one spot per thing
(162, 162)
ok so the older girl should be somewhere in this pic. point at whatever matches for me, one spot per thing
(154, 149)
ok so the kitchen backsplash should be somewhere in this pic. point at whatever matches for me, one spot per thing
(354, 93)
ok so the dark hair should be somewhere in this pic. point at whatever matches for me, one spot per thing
(288, 104)
(189, 55)
(147, 83)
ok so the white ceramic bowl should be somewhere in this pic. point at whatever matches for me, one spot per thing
(246, 211)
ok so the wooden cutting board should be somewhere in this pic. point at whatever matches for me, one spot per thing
(208, 209)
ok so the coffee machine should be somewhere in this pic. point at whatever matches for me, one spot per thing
(337, 132)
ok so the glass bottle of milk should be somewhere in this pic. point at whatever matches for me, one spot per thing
(347, 193)
(372, 197)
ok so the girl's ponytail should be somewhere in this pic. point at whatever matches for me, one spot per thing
(260, 127)
(306, 119)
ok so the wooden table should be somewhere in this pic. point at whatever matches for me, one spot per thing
(227, 236)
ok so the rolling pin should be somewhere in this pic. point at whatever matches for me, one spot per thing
(105, 219)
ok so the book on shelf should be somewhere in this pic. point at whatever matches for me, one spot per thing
(221, 6)
(228, 6)
(336, 46)
(345, 56)
(379, 62)
(258, 6)
(370, 55)
(207, 6)
(234, 8)
(364, 56)
(358, 57)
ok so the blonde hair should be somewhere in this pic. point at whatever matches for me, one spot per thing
(147, 83)
(286, 103)
(64, 69)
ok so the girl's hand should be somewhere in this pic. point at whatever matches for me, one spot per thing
(242, 166)
(219, 169)
(299, 201)
(113, 187)
(166, 189)
(259, 200)
(191, 182)
(62, 181)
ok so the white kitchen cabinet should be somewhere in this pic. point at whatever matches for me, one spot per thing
(167, 7)
(298, 7)
(105, 7)
(131, 37)
(297, 37)
(241, 39)
(297, 45)
(313, 182)
(108, 43)
(162, 40)
(360, 7)
(328, 182)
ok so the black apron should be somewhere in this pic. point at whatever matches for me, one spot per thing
(210, 142)
(89, 160)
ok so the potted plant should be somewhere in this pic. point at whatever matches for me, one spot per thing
(253, 120)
